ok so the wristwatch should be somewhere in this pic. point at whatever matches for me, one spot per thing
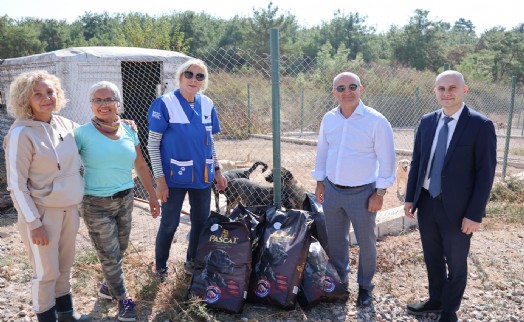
(380, 192)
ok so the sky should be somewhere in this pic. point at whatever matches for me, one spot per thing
(380, 14)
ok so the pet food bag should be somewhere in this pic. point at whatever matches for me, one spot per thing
(222, 264)
(318, 229)
(320, 282)
(280, 261)
(255, 218)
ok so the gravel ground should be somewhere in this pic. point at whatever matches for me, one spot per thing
(495, 290)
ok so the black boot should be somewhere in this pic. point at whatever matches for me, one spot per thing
(65, 311)
(47, 316)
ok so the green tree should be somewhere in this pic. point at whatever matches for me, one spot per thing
(142, 30)
(348, 30)
(257, 33)
(201, 31)
(101, 29)
(55, 34)
(499, 55)
(18, 40)
(420, 44)
(329, 63)
(233, 35)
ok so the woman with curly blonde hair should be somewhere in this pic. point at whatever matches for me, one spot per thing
(44, 180)
(22, 87)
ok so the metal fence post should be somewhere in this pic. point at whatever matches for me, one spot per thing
(275, 103)
(508, 132)
(249, 108)
(302, 112)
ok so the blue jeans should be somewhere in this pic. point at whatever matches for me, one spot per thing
(200, 203)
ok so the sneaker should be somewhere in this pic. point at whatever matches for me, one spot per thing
(126, 310)
(427, 306)
(161, 274)
(104, 292)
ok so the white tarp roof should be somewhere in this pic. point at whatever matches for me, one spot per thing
(83, 54)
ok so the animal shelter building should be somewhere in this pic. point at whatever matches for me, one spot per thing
(141, 74)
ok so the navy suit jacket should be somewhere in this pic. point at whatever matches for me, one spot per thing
(469, 166)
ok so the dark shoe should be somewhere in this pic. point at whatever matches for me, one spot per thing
(65, 311)
(427, 306)
(72, 316)
(161, 274)
(365, 297)
(47, 316)
(448, 317)
(126, 310)
(104, 292)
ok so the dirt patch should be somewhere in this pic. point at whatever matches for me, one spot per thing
(495, 290)
(299, 158)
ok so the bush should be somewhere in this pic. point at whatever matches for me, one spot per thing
(510, 190)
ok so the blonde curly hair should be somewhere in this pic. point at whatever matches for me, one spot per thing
(21, 90)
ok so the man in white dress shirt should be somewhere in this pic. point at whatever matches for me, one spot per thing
(355, 164)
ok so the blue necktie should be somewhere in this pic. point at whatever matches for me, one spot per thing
(435, 173)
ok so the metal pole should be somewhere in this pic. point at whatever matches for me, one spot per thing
(419, 106)
(518, 119)
(275, 103)
(508, 131)
(302, 112)
(522, 110)
(249, 108)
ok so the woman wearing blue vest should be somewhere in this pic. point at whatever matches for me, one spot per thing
(183, 157)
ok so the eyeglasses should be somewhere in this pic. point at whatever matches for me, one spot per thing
(351, 87)
(100, 102)
(199, 77)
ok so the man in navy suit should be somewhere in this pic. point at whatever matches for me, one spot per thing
(462, 175)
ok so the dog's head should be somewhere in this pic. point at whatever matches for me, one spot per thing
(285, 176)
(403, 164)
(220, 260)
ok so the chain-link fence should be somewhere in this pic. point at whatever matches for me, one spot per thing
(240, 86)
(241, 89)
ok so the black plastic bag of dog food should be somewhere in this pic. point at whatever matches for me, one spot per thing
(222, 264)
(255, 218)
(320, 282)
(318, 229)
(279, 264)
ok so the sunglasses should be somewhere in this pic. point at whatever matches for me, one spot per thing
(189, 74)
(341, 88)
(107, 101)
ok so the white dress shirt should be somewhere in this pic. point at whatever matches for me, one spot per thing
(357, 150)
(451, 129)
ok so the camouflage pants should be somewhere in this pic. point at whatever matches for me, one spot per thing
(109, 224)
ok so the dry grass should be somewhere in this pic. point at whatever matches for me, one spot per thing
(495, 286)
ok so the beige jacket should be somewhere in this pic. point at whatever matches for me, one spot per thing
(43, 166)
